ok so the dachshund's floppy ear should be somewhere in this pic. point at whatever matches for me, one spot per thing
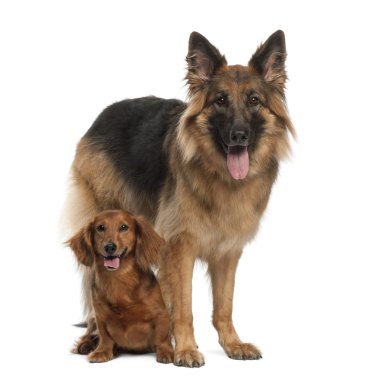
(148, 244)
(81, 244)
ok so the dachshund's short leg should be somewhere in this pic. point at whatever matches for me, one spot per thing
(162, 336)
(104, 351)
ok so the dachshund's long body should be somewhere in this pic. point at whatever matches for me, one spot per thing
(201, 171)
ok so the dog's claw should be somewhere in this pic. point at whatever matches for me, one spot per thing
(165, 357)
(243, 351)
(100, 356)
(189, 358)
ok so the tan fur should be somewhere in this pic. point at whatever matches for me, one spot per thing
(94, 174)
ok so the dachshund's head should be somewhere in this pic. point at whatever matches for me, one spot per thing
(113, 235)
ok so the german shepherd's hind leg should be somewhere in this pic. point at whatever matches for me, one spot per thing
(80, 209)
(222, 271)
(175, 277)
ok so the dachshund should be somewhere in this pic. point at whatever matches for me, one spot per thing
(130, 314)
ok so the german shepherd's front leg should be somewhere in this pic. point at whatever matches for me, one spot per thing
(175, 277)
(222, 271)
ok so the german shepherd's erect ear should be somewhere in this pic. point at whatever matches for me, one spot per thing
(148, 244)
(269, 60)
(203, 60)
(82, 245)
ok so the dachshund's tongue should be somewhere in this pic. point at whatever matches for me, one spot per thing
(238, 161)
(111, 262)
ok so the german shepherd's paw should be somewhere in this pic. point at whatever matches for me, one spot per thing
(189, 358)
(243, 351)
(100, 356)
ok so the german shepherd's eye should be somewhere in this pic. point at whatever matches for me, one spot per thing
(100, 228)
(123, 228)
(221, 101)
(253, 100)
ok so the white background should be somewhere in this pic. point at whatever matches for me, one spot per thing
(302, 291)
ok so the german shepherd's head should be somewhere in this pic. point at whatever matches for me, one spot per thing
(236, 121)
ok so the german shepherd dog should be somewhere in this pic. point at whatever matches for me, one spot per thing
(200, 171)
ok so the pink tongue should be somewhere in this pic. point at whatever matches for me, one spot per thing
(238, 161)
(111, 263)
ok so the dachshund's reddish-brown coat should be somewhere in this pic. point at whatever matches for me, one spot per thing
(129, 310)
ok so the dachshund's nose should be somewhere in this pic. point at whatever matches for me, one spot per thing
(110, 248)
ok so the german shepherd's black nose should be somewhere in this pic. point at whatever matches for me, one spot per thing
(238, 137)
(110, 248)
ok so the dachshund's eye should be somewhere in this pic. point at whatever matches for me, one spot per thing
(100, 228)
(123, 227)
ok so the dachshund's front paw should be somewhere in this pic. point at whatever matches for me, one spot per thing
(164, 357)
(99, 356)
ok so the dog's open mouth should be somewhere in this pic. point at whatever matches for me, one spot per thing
(238, 161)
(112, 263)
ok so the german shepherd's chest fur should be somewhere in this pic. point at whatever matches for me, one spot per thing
(220, 215)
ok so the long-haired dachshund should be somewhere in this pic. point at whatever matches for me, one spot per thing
(129, 310)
